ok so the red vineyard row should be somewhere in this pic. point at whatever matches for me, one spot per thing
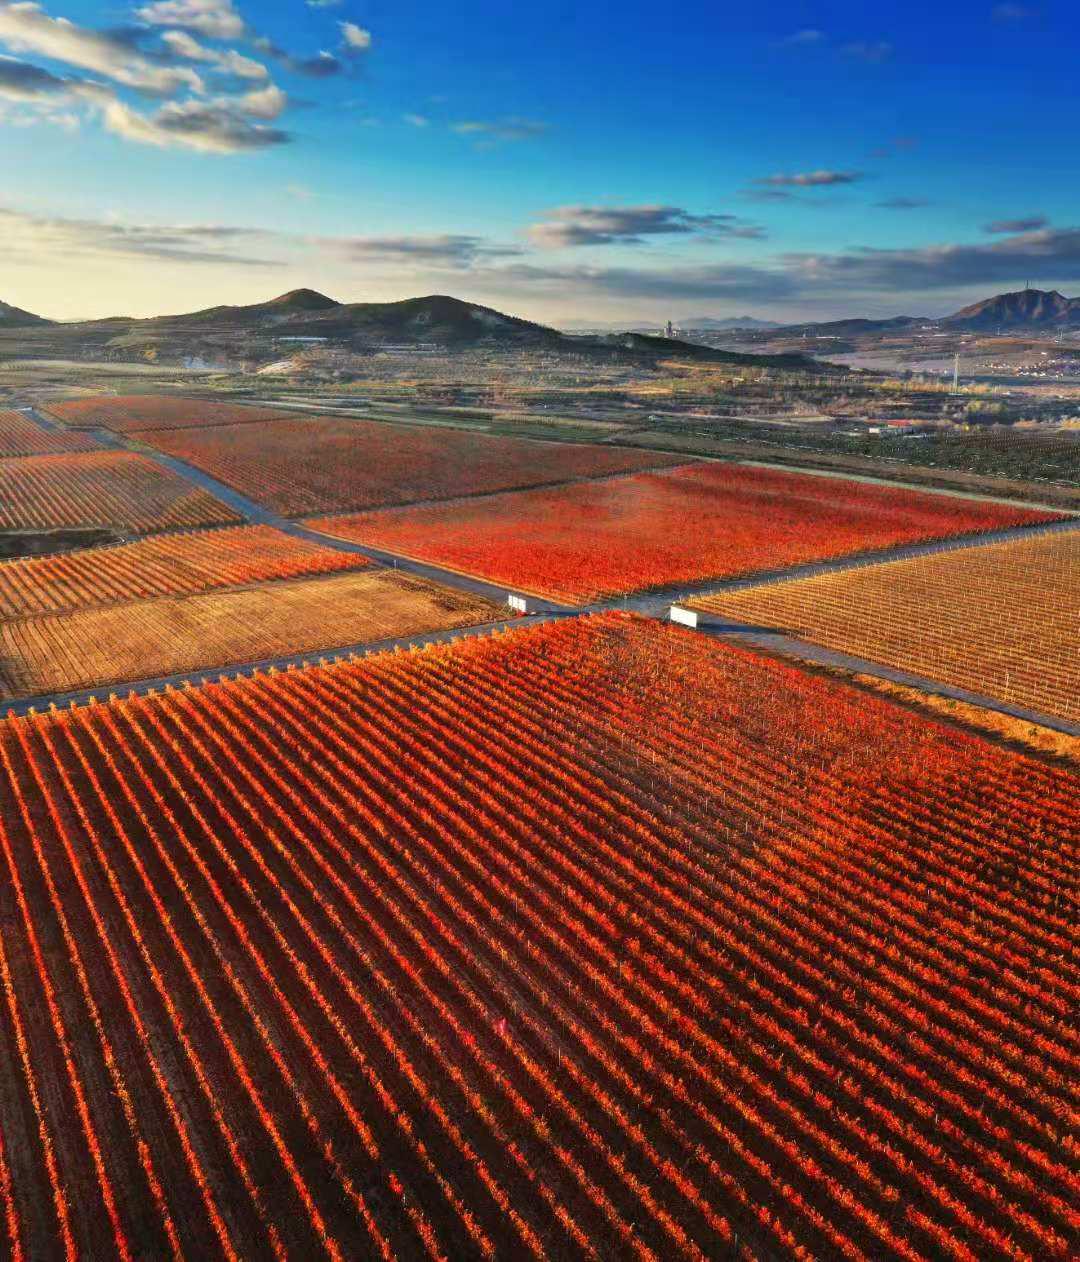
(596, 939)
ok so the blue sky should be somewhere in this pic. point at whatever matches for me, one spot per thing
(563, 161)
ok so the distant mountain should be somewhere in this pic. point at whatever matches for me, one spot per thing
(732, 322)
(303, 320)
(305, 313)
(855, 327)
(15, 318)
(645, 345)
(1026, 309)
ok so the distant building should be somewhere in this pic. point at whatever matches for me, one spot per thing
(670, 330)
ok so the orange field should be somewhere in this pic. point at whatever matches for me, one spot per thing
(172, 635)
(20, 436)
(126, 413)
(598, 939)
(105, 488)
(325, 465)
(165, 565)
(657, 529)
(1001, 620)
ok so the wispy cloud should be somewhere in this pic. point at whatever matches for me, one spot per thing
(1032, 223)
(445, 250)
(27, 237)
(723, 281)
(22, 81)
(811, 179)
(217, 19)
(630, 225)
(1048, 254)
(220, 127)
(26, 28)
(185, 45)
(501, 130)
(902, 203)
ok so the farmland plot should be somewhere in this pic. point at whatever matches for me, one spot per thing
(106, 488)
(324, 464)
(145, 639)
(126, 413)
(583, 542)
(163, 565)
(597, 939)
(20, 436)
(1001, 620)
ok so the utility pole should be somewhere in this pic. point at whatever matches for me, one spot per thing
(956, 374)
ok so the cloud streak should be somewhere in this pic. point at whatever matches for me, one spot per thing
(26, 28)
(568, 226)
(27, 236)
(1010, 226)
(811, 179)
(444, 250)
(505, 130)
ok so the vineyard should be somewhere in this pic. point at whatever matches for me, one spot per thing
(126, 413)
(587, 541)
(106, 488)
(1001, 620)
(594, 940)
(20, 436)
(144, 639)
(163, 565)
(322, 465)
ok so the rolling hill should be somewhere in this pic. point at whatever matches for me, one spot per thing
(14, 317)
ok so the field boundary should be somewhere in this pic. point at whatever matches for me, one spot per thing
(18, 707)
(779, 644)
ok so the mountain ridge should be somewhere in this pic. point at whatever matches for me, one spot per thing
(15, 317)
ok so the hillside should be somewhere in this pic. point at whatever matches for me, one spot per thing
(1025, 309)
(306, 322)
(306, 313)
(14, 317)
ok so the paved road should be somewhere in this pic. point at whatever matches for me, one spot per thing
(258, 514)
(789, 646)
(652, 604)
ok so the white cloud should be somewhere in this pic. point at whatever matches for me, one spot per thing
(267, 103)
(355, 37)
(29, 238)
(229, 60)
(26, 28)
(216, 19)
(209, 127)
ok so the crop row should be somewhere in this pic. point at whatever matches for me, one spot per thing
(163, 565)
(1000, 620)
(20, 436)
(126, 413)
(299, 466)
(107, 488)
(595, 939)
(593, 540)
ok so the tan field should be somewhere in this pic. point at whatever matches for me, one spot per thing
(1000, 620)
(170, 636)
